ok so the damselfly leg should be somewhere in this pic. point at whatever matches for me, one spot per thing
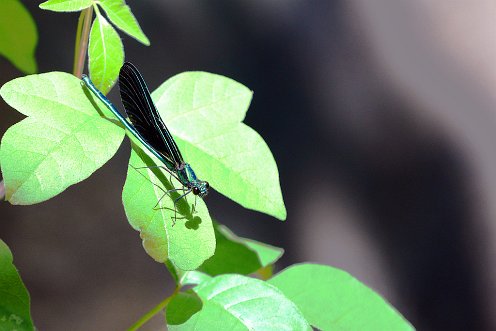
(165, 192)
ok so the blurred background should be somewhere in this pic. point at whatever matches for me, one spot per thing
(381, 116)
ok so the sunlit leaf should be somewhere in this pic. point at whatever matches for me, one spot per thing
(235, 302)
(204, 112)
(66, 5)
(332, 299)
(62, 142)
(193, 278)
(120, 14)
(188, 240)
(105, 54)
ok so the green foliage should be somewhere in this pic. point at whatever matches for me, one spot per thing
(204, 112)
(182, 307)
(68, 134)
(14, 299)
(189, 241)
(18, 35)
(105, 54)
(62, 142)
(193, 278)
(331, 299)
(66, 5)
(183, 101)
(235, 302)
(120, 14)
(238, 255)
(105, 51)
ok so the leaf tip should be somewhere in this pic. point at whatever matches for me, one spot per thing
(144, 40)
(44, 5)
(281, 214)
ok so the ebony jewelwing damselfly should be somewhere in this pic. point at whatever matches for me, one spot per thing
(147, 126)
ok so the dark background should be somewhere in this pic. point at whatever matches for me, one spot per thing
(380, 115)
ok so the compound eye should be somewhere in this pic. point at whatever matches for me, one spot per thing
(196, 190)
(207, 186)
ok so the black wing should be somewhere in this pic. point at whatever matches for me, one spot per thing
(144, 115)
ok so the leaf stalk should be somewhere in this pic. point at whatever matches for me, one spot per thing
(155, 310)
(2, 190)
(82, 36)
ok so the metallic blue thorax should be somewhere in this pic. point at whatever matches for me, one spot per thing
(189, 179)
(186, 174)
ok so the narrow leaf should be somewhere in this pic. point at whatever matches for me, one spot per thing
(14, 299)
(62, 142)
(235, 302)
(187, 242)
(18, 35)
(204, 112)
(66, 5)
(105, 54)
(332, 299)
(120, 14)
(238, 255)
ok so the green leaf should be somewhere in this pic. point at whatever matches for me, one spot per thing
(18, 35)
(66, 5)
(120, 14)
(204, 112)
(267, 254)
(193, 277)
(189, 241)
(105, 54)
(349, 305)
(238, 255)
(235, 302)
(182, 307)
(14, 299)
(62, 142)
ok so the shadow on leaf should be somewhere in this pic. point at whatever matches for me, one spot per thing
(182, 307)
(184, 210)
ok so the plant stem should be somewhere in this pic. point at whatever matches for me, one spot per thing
(82, 36)
(158, 308)
(2, 190)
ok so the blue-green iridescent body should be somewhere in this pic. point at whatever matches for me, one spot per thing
(181, 170)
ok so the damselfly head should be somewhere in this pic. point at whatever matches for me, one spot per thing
(201, 188)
